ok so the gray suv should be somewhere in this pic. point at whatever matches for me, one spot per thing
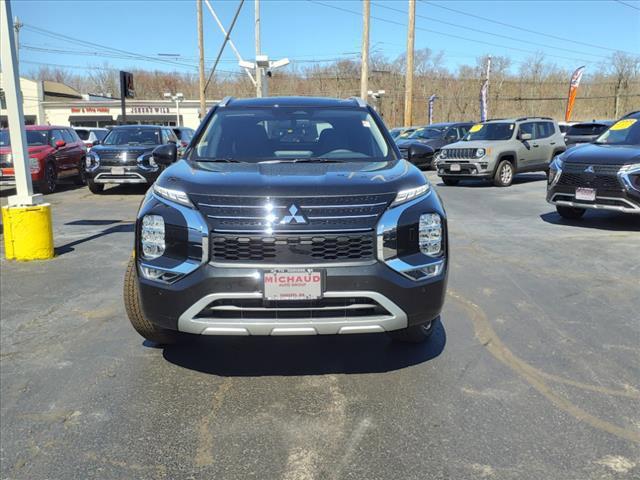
(499, 149)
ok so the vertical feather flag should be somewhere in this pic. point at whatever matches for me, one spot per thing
(573, 90)
(432, 100)
(483, 100)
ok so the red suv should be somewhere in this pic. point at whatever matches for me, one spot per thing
(54, 153)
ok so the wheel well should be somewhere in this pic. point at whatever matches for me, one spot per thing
(510, 157)
(558, 151)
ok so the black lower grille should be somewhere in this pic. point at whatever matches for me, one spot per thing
(292, 249)
(600, 177)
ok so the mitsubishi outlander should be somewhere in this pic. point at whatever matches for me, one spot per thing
(288, 216)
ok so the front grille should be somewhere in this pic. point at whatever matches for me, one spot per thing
(292, 214)
(603, 177)
(114, 157)
(455, 153)
(257, 308)
(292, 249)
(404, 152)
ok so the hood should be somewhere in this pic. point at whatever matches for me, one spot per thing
(434, 143)
(475, 144)
(290, 179)
(33, 149)
(603, 154)
(137, 149)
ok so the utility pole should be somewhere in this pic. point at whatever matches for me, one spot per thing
(259, 71)
(408, 87)
(486, 76)
(364, 68)
(17, 25)
(203, 103)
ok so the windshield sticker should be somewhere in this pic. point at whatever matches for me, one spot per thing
(624, 124)
(365, 123)
(476, 128)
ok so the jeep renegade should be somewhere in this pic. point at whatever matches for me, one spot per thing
(288, 216)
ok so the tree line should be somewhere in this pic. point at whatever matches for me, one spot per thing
(532, 87)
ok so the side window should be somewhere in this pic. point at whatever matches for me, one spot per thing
(55, 136)
(171, 137)
(165, 137)
(528, 128)
(73, 138)
(545, 129)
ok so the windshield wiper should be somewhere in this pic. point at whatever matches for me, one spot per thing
(223, 160)
(304, 160)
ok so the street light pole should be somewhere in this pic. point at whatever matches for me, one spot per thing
(178, 97)
(259, 71)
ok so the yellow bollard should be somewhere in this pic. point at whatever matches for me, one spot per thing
(28, 232)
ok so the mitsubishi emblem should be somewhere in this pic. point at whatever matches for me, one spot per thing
(294, 216)
(123, 156)
(589, 169)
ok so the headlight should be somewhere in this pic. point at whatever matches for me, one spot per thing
(442, 154)
(152, 236)
(430, 234)
(630, 175)
(92, 161)
(177, 196)
(555, 169)
(152, 162)
(34, 163)
(409, 194)
(480, 152)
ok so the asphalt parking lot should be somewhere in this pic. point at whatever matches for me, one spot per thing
(534, 372)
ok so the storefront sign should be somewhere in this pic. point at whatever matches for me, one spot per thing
(89, 109)
(149, 110)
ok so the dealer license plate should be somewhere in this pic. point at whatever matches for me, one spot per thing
(585, 194)
(455, 167)
(117, 171)
(292, 284)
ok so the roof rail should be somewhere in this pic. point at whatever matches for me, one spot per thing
(631, 113)
(359, 101)
(531, 118)
(225, 101)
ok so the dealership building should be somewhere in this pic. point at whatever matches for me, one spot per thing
(53, 103)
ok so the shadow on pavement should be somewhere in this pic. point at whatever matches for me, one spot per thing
(520, 179)
(598, 220)
(127, 227)
(314, 355)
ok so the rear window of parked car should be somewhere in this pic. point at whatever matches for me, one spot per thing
(587, 129)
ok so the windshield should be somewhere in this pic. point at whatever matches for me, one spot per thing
(292, 134)
(427, 133)
(623, 132)
(490, 131)
(34, 138)
(133, 136)
(587, 129)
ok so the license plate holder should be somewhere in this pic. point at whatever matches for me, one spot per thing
(117, 170)
(293, 284)
(455, 167)
(585, 194)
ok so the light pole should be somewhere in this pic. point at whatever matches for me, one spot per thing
(178, 97)
(263, 67)
(377, 96)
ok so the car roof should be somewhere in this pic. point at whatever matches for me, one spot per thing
(635, 114)
(516, 119)
(292, 102)
(149, 127)
(45, 127)
(91, 128)
(604, 123)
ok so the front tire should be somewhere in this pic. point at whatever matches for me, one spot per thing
(136, 316)
(415, 333)
(504, 174)
(96, 188)
(450, 182)
(570, 213)
(50, 181)
(81, 179)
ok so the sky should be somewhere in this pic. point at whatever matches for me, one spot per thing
(310, 31)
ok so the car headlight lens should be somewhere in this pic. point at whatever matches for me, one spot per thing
(442, 154)
(34, 163)
(555, 169)
(630, 175)
(480, 152)
(152, 161)
(404, 196)
(152, 236)
(177, 196)
(430, 234)
(92, 161)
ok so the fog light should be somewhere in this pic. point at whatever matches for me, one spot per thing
(152, 236)
(430, 234)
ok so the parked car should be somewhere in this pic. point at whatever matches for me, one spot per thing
(401, 132)
(54, 153)
(184, 136)
(499, 149)
(258, 233)
(124, 156)
(91, 135)
(585, 132)
(564, 127)
(602, 175)
(434, 136)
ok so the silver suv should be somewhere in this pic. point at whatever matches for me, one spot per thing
(499, 149)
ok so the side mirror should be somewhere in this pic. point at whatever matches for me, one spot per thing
(525, 137)
(165, 154)
(60, 143)
(419, 152)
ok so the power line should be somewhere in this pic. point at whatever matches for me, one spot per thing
(627, 4)
(555, 47)
(474, 40)
(523, 29)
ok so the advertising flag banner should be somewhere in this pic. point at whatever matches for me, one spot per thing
(573, 90)
(483, 100)
(432, 100)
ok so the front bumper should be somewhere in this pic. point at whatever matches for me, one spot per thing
(128, 174)
(468, 168)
